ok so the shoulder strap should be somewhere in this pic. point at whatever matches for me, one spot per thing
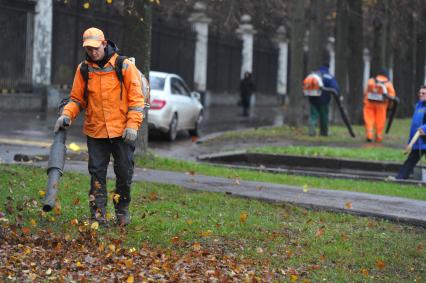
(84, 70)
(119, 71)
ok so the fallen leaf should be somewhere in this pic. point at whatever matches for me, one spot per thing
(348, 205)
(153, 196)
(130, 279)
(259, 250)
(196, 246)
(128, 263)
(116, 198)
(305, 188)
(111, 247)
(41, 193)
(74, 222)
(33, 223)
(189, 222)
(74, 146)
(206, 233)
(380, 264)
(319, 232)
(49, 271)
(25, 230)
(243, 217)
(294, 277)
(95, 225)
(364, 271)
(420, 248)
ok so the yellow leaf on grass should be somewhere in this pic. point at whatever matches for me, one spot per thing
(130, 279)
(294, 277)
(33, 223)
(206, 233)
(305, 188)
(74, 222)
(364, 271)
(41, 193)
(95, 225)
(243, 217)
(116, 198)
(189, 222)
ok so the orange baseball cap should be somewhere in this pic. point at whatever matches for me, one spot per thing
(93, 37)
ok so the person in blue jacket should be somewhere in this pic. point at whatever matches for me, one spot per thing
(320, 104)
(419, 148)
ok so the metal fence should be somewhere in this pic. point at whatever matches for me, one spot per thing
(16, 22)
(70, 20)
(172, 50)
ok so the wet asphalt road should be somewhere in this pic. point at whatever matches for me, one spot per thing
(32, 132)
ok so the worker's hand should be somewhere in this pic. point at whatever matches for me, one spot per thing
(129, 135)
(63, 122)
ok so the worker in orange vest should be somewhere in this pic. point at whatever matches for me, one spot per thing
(377, 98)
(109, 88)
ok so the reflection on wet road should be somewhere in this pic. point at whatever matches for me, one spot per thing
(39, 126)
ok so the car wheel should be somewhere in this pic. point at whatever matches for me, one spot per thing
(195, 132)
(171, 134)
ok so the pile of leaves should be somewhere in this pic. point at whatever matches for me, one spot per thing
(38, 255)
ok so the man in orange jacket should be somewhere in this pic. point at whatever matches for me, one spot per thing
(113, 116)
(376, 101)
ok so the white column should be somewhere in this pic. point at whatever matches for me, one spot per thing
(246, 31)
(366, 57)
(332, 54)
(282, 43)
(42, 48)
(200, 23)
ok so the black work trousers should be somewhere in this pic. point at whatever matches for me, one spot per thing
(100, 150)
(409, 164)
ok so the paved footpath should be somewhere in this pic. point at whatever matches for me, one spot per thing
(392, 208)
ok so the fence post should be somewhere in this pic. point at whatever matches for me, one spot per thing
(246, 31)
(281, 40)
(200, 24)
(42, 49)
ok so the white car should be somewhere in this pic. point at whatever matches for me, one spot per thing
(173, 107)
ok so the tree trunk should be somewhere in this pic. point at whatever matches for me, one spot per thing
(404, 58)
(380, 39)
(342, 27)
(295, 110)
(317, 34)
(355, 72)
(137, 43)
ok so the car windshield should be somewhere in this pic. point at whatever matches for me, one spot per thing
(156, 83)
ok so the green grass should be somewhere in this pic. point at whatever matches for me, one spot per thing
(380, 188)
(320, 246)
(357, 153)
(338, 134)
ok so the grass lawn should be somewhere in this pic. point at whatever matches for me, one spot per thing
(357, 153)
(380, 188)
(338, 134)
(272, 241)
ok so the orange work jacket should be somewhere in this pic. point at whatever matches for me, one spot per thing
(107, 114)
(389, 86)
